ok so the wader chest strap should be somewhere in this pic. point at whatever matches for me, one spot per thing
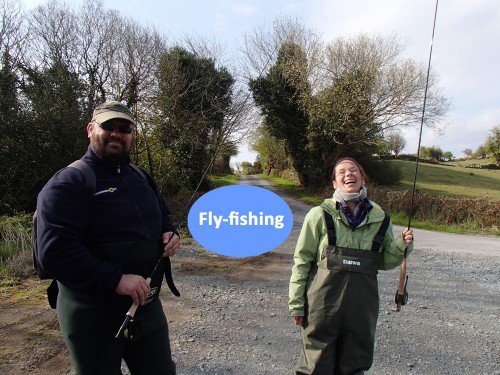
(377, 240)
(330, 228)
(379, 237)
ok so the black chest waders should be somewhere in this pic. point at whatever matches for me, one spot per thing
(342, 306)
(89, 324)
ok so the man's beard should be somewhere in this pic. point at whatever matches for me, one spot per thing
(112, 156)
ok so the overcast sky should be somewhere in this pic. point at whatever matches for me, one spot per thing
(466, 52)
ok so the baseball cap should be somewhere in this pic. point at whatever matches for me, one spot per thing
(112, 109)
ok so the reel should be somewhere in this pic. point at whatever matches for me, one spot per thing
(133, 329)
(401, 300)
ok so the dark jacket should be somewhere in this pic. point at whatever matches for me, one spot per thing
(125, 208)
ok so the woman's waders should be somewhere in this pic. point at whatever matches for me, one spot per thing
(342, 308)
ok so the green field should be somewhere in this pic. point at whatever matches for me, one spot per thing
(453, 181)
(448, 181)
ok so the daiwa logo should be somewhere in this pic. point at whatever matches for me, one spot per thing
(351, 262)
(151, 295)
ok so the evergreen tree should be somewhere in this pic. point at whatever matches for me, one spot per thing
(282, 96)
(47, 135)
(193, 100)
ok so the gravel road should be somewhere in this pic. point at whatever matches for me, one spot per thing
(232, 316)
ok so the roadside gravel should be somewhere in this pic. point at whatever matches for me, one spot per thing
(235, 321)
(232, 316)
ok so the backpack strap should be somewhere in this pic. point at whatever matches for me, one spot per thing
(88, 176)
(141, 173)
(379, 237)
(330, 228)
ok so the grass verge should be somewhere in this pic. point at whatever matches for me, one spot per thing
(465, 228)
(217, 181)
(29, 291)
(291, 188)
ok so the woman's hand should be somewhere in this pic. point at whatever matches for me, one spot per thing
(298, 320)
(408, 236)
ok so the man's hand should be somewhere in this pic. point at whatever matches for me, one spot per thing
(134, 286)
(408, 236)
(171, 246)
(298, 320)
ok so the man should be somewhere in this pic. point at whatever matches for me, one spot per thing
(101, 247)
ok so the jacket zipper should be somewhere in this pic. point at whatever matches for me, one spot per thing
(141, 217)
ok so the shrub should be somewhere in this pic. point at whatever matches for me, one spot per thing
(290, 174)
(15, 245)
(439, 209)
(483, 166)
(382, 172)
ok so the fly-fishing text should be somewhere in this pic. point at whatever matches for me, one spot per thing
(236, 219)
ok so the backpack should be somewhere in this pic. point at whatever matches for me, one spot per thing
(90, 186)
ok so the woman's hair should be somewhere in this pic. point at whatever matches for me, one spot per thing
(363, 173)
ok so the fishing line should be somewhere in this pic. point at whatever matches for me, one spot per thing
(401, 294)
(127, 327)
(422, 118)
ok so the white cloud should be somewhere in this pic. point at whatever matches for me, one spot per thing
(292, 6)
(242, 9)
(220, 22)
(461, 133)
(485, 121)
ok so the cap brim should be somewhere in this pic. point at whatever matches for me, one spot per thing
(103, 117)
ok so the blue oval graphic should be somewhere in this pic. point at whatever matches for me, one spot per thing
(240, 220)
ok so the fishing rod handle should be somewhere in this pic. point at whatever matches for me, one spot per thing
(401, 286)
(402, 278)
(135, 306)
(129, 316)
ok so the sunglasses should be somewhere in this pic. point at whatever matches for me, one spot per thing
(109, 126)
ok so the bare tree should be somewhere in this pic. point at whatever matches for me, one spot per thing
(54, 35)
(396, 87)
(240, 115)
(396, 143)
(239, 118)
(209, 48)
(133, 74)
(13, 32)
(262, 47)
(98, 40)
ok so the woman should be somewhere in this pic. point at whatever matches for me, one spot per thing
(333, 288)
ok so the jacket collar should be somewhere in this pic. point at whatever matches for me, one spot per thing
(376, 214)
(95, 159)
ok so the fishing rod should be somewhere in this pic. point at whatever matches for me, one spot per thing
(126, 329)
(402, 294)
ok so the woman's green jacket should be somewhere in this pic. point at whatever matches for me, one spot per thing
(313, 240)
